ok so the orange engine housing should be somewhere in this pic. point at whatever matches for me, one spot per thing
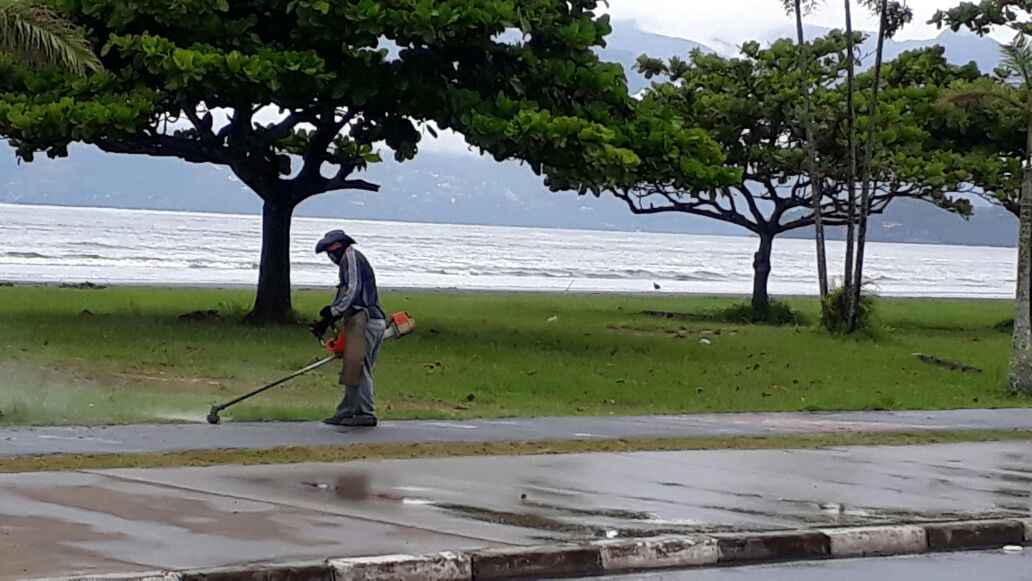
(399, 324)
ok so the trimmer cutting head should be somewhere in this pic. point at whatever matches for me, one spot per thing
(213, 416)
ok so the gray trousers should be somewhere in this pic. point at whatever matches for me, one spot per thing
(358, 395)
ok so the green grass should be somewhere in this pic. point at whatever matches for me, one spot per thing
(484, 355)
(355, 452)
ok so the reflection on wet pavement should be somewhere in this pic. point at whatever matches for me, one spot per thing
(222, 515)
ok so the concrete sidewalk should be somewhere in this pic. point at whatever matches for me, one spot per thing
(170, 519)
(172, 437)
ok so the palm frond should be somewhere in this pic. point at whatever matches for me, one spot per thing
(807, 6)
(1017, 58)
(32, 31)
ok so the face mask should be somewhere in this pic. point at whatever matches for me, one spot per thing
(336, 257)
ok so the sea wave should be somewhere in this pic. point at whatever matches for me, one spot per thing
(177, 248)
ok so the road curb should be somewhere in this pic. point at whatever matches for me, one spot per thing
(143, 576)
(774, 546)
(550, 561)
(1028, 529)
(877, 541)
(445, 566)
(658, 553)
(617, 556)
(975, 534)
(300, 571)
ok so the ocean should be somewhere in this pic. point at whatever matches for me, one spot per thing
(49, 244)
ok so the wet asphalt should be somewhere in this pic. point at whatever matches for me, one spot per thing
(132, 520)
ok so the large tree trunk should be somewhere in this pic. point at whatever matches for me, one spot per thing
(866, 194)
(761, 274)
(816, 183)
(1021, 356)
(272, 304)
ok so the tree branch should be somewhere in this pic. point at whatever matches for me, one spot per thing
(705, 208)
(277, 131)
(191, 150)
(315, 154)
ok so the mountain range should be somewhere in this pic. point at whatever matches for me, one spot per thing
(456, 186)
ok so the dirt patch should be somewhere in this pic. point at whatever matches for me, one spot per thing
(209, 316)
(136, 377)
(680, 333)
(678, 316)
(408, 405)
(82, 286)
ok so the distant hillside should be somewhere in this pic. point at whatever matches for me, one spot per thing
(915, 222)
(961, 47)
(628, 42)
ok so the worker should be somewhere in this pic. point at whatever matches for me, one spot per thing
(357, 307)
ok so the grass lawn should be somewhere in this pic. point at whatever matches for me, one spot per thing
(121, 355)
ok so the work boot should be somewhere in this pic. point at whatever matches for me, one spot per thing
(360, 421)
(338, 419)
(344, 410)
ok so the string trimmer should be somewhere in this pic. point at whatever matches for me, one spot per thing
(399, 325)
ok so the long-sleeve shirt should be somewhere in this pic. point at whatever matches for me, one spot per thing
(357, 288)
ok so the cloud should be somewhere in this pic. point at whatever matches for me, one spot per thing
(729, 23)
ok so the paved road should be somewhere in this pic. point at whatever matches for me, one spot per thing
(200, 436)
(996, 566)
(53, 524)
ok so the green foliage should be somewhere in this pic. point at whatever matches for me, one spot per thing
(33, 33)
(982, 16)
(835, 313)
(993, 116)
(776, 313)
(806, 7)
(347, 76)
(753, 109)
(325, 64)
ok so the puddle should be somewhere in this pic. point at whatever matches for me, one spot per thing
(529, 521)
(600, 512)
(580, 531)
(357, 488)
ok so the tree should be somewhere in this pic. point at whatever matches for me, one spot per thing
(752, 107)
(34, 33)
(988, 116)
(893, 16)
(296, 96)
(799, 8)
(847, 280)
(981, 18)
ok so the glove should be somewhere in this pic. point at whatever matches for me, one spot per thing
(327, 313)
(319, 328)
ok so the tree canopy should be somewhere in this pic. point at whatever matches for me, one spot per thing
(752, 107)
(296, 97)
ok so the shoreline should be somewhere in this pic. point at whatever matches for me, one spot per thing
(67, 285)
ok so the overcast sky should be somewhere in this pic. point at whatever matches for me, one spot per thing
(723, 23)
